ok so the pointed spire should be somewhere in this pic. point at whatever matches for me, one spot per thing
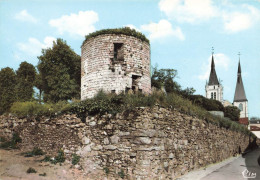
(239, 67)
(240, 94)
(213, 79)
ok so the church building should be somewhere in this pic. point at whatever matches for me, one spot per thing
(240, 99)
(214, 90)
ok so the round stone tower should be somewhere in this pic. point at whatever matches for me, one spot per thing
(115, 62)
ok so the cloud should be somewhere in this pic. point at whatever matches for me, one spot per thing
(33, 47)
(239, 21)
(76, 24)
(235, 17)
(162, 29)
(221, 62)
(25, 17)
(188, 10)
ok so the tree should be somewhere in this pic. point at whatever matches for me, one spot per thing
(7, 90)
(25, 77)
(38, 83)
(232, 112)
(59, 68)
(164, 78)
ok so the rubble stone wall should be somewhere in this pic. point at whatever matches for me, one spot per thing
(101, 70)
(156, 143)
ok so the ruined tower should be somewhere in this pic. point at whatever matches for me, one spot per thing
(115, 60)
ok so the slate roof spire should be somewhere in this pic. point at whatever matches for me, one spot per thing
(240, 94)
(213, 79)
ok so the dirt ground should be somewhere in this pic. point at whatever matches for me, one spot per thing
(13, 166)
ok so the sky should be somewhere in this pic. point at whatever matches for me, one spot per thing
(181, 32)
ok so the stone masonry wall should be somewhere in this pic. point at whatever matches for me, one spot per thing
(100, 69)
(156, 143)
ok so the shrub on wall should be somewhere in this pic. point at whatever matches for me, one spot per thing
(24, 109)
(208, 104)
(232, 112)
(125, 30)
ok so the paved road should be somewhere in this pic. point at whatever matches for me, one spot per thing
(230, 169)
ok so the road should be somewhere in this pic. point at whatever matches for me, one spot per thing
(230, 169)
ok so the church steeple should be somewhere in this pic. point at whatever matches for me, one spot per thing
(240, 94)
(214, 89)
(213, 79)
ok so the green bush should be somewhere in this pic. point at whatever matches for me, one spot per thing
(125, 30)
(60, 158)
(106, 170)
(34, 152)
(121, 174)
(31, 170)
(12, 144)
(2, 139)
(44, 174)
(75, 159)
(232, 112)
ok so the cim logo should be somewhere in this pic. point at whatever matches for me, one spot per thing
(248, 174)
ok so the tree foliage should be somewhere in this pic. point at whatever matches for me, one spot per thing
(59, 69)
(165, 78)
(25, 76)
(232, 112)
(7, 89)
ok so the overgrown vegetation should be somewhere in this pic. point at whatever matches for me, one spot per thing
(12, 144)
(34, 152)
(75, 159)
(24, 109)
(43, 174)
(106, 170)
(31, 170)
(60, 158)
(125, 30)
(121, 174)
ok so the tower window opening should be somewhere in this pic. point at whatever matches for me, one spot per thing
(240, 106)
(135, 81)
(215, 97)
(212, 95)
(118, 52)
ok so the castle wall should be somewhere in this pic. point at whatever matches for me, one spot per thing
(156, 143)
(101, 70)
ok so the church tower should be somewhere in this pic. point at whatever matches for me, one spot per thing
(214, 90)
(240, 99)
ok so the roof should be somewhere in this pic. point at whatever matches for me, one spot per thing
(240, 94)
(213, 79)
(243, 121)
